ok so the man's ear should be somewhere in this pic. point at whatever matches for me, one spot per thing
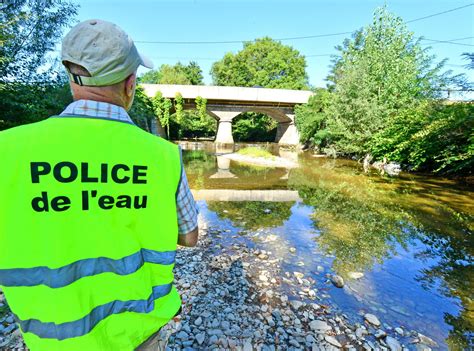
(130, 84)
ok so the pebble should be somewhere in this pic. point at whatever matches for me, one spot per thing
(182, 335)
(337, 280)
(423, 339)
(319, 326)
(198, 321)
(372, 319)
(292, 249)
(399, 331)
(247, 345)
(393, 344)
(296, 304)
(332, 340)
(200, 338)
(379, 334)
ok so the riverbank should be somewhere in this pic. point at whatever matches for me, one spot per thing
(236, 298)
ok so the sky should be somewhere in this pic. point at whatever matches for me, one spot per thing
(232, 20)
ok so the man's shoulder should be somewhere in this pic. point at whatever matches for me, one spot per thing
(19, 131)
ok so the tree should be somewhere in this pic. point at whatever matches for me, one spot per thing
(381, 71)
(142, 111)
(31, 87)
(190, 74)
(29, 29)
(262, 63)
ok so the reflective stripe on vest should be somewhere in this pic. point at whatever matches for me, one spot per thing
(87, 250)
(84, 325)
(59, 277)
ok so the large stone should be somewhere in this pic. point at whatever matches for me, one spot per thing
(337, 280)
(247, 345)
(319, 326)
(393, 344)
(200, 338)
(372, 319)
(333, 341)
(296, 304)
(198, 321)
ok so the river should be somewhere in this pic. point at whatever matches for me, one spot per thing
(404, 245)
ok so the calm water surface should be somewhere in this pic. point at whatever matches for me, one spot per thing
(411, 236)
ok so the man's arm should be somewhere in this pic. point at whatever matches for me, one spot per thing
(187, 212)
(189, 239)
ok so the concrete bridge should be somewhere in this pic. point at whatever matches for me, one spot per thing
(226, 103)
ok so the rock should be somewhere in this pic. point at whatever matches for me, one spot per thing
(292, 249)
(379, 334)
(337, 280)
(355, 275)
(399, 331)
(296, 304)
(392, 169)
(372, 319)
(298, 275)
(319, 327)
(263, 278)
(182, 335)
(200, 338)
(213, 339)
(393, 344)
(423, 339)
(332, 340)
(294, 343)
(198, 321)
(247, 345)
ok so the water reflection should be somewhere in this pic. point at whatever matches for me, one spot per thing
(412, 236)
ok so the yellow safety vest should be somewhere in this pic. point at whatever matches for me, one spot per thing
(88, 232)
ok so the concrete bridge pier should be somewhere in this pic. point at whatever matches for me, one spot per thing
(224, 126)
(287, 134)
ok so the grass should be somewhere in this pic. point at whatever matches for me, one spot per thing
(256, 152)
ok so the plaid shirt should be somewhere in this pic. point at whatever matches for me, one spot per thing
(186, 207)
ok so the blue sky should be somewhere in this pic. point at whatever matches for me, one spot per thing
(229, 20)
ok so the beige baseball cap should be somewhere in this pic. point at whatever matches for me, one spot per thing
(104, 49)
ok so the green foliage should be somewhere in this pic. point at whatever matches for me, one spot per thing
(178, 106)
(192, 125)
(431, 137)
(381, 100)
(262, 63)
(190, 74)
(255, 152)
(382, 71)
(29, 29)
(162, 109)
(201, 107)
(251, 126)
(142, 112)
(311, 119)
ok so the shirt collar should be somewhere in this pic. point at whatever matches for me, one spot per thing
(97, 109)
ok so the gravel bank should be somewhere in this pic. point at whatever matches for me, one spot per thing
(237, 298)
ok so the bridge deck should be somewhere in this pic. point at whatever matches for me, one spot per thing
(224, 95)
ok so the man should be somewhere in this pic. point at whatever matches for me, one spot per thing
(90, 210)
